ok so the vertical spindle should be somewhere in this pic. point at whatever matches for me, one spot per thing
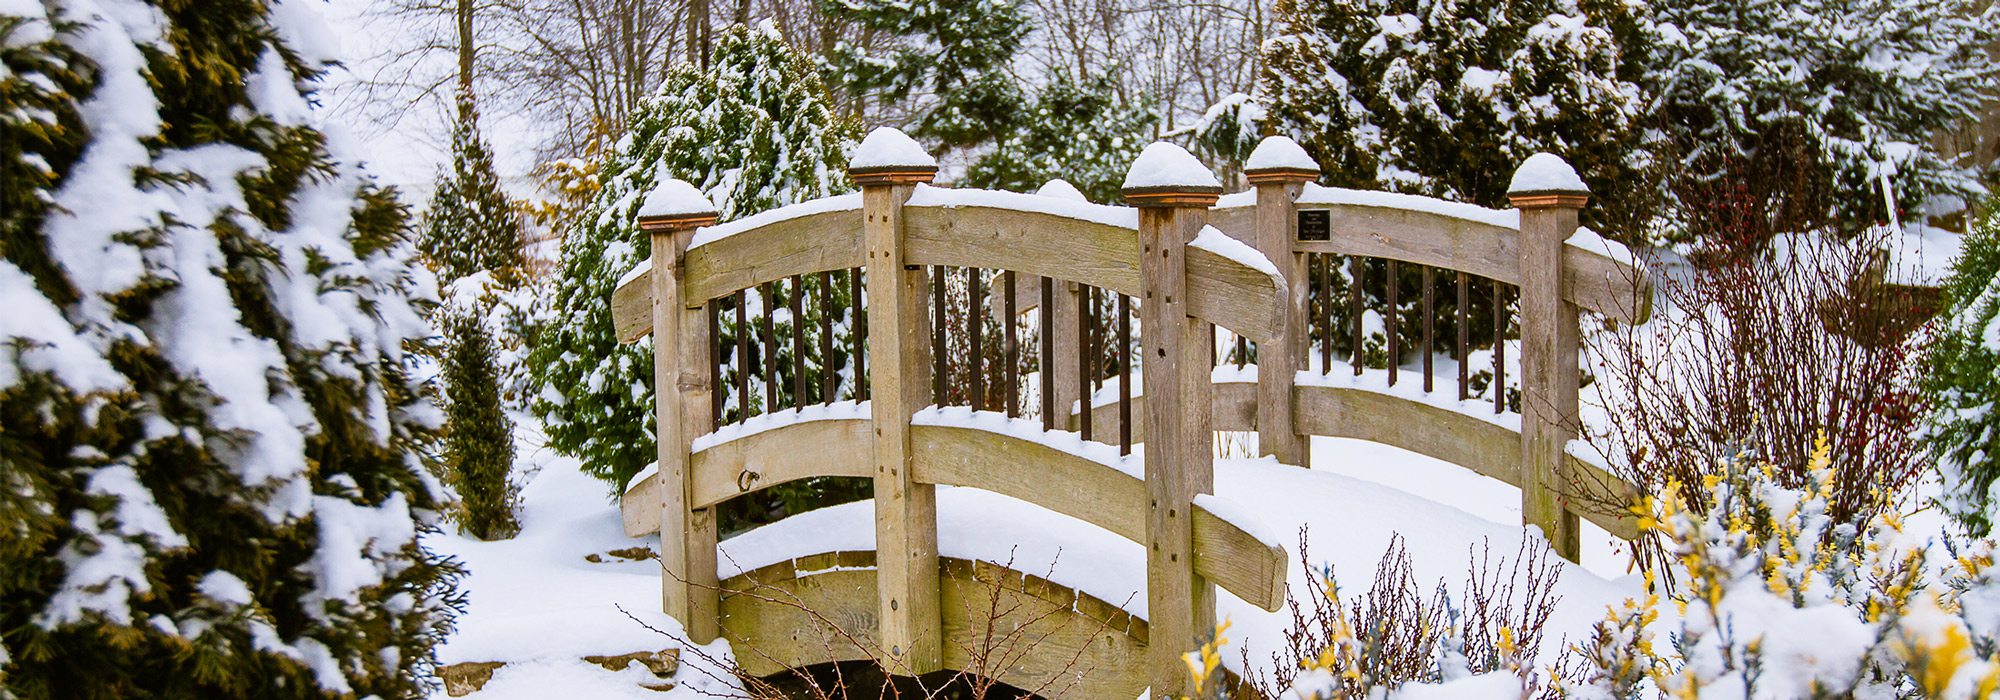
(860, 336)
(975, 326)
(939, 390)
(1013, 353)
(1499, 347)
(829, 374)
(716, 395)
(1464, 338)
(1124, 375)
(1430, 323)
(768, 337)
(1325, 294)
(798, 342)
(742, 356)
(1046, 368)
(1354, 266)
(1392, 286)
(1086, 317)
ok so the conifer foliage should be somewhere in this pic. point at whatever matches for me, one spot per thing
(479, 442)
(1963, 382)
(471, 225)
(209, 482)
(1078, 132)
(753, 132)
(951, 57)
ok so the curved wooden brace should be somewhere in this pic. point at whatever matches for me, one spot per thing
(1489, 449)
(1097, 494)
(1595, 282)
(801, 245)
(1221, 291)
(1092, 492)
(1068, 644)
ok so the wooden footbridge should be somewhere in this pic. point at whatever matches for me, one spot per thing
(921, 278)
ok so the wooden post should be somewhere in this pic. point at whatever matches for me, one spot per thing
(1549, 195)
(900, 371)
(1279, 176)
(682, 388)
(1180, 439)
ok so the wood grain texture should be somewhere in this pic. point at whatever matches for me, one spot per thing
(1549, 348)
(1235, 408)
(681, 385)
(1279, 358)
(1070, 645)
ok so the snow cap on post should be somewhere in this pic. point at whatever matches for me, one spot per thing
(1546, 180)
(1166, 175)
(1279, 159)
(1061, 189)
(675, 205)
(890, 157)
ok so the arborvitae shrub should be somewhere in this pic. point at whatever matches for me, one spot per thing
(471, 225)
(209, 439)
(1963, 381)
(479, 441)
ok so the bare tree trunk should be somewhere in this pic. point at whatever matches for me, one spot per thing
(466, 46)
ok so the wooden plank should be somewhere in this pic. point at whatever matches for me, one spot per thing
(803, 245)
(1235, 408)
(900, 372)
(1450, 436)
(682, 388)
(836, 447)
(1279, 359)
(1097, 494)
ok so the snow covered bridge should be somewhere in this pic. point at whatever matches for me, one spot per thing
(930, 400)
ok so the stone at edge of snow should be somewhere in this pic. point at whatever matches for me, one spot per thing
(1546, 172)
(1279, 152)
(1168, 165)
(889, 147)
(675, 197)
(1061, 189)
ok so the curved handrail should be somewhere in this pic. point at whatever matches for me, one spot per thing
(1092, 491)
(1455, 236)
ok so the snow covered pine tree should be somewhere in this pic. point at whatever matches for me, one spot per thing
(1963, 382)
(1075, 131)
(207, 437)
(471, 225)
(950, 59)
(753, 132)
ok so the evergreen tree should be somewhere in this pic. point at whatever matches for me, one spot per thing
(1079, 133)
(209, 482)
(949, 58)
(479, 437)
(1963, 382)
(1447, 97)
(471, 225)
(754, 133)
(1797, 110)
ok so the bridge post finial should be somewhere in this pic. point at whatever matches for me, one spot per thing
(670, 215)
(1173, 192)
(1549, 195)
(888, 166)
(1279, 169)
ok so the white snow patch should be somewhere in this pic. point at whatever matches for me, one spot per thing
(1061, 189)
(840, 202)
(675, 197)
(1213, 240)
(890, 147)
(642, 269)
(1279, 152)
(1241, 516)
(1164, 164)
(1335, 196)
(928, 196)
(1546, 172)
(838, 410)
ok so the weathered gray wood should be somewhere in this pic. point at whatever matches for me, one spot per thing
(681, 386)
(1071, 646)
(900, 372)
(1279, 359)
(1549, 347)
(1595, 282)
(1234, 408)
(1181, 604)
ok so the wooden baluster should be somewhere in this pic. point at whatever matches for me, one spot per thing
(1392, 285)
(1464, 338)
(1326, 329)
(862, 380)
(1086, 318)
(798, 342)
(683, 346)
(975, 325)
(829, 373)
(907, 603)
(1430, 323)
(715, 395)
(1499, 347)
(768, 345)
(1013, 355)
(1550, 346)
(1046, 370)
(1355, 274)
(742, 356)
(1180, 436)
(940, 377)
(1280, 359)
(1124, 375)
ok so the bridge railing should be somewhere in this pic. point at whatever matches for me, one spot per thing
(900, 240)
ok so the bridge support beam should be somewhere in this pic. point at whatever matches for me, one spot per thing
(1180, 442)
(682, 410)
(1549, 346)
(1280, 179)
(899, 374)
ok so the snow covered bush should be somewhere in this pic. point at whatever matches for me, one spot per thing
(753, 132)
(1447, 97)
(1078, 132)
(946, 65)
(209, 474)
(479, 437)
(1782, 600)
(471, 224)
(1963, 381)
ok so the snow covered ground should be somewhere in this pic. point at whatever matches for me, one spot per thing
(539, 604)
